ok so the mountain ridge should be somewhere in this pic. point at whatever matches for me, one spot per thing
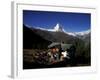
(58, 28)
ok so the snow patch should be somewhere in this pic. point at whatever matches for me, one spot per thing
(58, 27)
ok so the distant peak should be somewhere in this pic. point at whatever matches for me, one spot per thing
(58, 27)
(83, 32)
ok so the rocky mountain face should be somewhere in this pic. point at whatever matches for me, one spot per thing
(58, 34)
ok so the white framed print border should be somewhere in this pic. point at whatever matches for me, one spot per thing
(17, 40)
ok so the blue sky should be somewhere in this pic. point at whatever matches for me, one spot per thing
(72, 22)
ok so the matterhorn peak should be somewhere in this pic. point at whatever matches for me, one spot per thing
(58, 27)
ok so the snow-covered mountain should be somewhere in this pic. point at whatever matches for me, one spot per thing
(78, 33)
(83, 32)
(58, 34)
(58, 28)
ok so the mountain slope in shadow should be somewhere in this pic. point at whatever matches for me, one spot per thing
(32, 40)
